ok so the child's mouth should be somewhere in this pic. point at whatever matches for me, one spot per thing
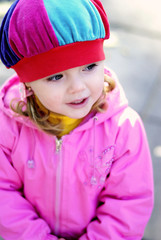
(78, 103)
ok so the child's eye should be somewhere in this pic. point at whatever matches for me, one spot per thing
(55, 77)
(90, 67)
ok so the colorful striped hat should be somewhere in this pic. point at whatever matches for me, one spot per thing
(39, 38)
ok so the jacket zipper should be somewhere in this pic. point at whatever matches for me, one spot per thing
(58, 184)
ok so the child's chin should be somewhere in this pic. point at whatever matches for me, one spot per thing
(79, 115)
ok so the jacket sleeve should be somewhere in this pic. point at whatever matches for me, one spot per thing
(18, 218)
(126, 201)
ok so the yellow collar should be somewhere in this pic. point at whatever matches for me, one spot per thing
(68, 124)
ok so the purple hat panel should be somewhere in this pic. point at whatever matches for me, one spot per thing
(7, 55)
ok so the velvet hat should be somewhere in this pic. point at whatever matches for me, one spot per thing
(39, 38)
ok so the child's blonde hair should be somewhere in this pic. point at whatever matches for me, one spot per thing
(32, 110)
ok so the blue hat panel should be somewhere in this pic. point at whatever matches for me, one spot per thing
(69, 26)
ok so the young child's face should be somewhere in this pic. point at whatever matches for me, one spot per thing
(72, 92)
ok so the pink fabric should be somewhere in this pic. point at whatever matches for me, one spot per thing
(103, 15)
(99, 186)
(36, 40)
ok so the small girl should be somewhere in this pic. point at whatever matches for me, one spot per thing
(74, 158)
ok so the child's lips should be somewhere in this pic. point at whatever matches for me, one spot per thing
(79, 103)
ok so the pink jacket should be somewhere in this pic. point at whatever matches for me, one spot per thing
(96, 184)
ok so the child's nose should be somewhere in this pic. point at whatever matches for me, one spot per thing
(76, 85)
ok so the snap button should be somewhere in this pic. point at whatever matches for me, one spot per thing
(30, 163)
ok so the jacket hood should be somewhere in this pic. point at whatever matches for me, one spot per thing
(10, 90)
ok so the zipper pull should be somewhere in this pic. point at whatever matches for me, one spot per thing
(58, 144)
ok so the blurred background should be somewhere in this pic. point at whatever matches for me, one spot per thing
(134, 53)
